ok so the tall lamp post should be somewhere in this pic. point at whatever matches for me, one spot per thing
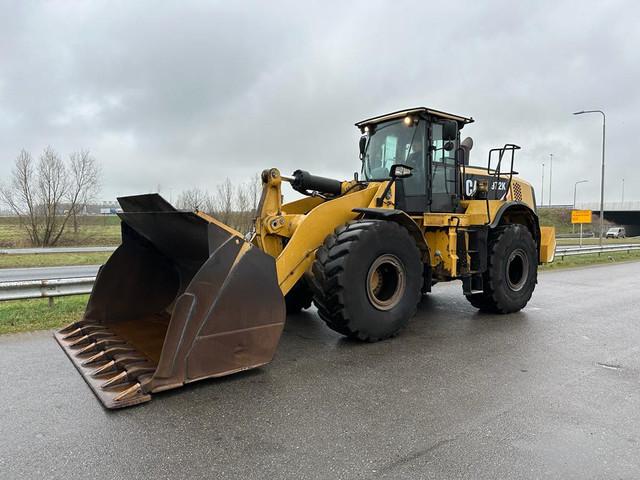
(542, 188)
(604, 121)
(550, 175)
(575, 187)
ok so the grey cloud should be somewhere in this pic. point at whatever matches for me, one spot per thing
(186, 94)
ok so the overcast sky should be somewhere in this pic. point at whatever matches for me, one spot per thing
(181, 94)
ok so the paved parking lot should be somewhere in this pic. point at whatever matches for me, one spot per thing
(551, 392)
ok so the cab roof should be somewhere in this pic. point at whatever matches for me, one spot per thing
(421, 110)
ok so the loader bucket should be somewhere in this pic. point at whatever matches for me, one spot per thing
(183, 298)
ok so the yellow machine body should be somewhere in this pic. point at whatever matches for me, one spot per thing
(186, 297)
(292, 232)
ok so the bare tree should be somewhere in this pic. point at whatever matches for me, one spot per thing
(243, 207)
(84, 183)
(246, 204)
(38, 194)
(20, 196)
(53, 185)
(235, 206)
(194, 199)
(223, 201)
(255, 191)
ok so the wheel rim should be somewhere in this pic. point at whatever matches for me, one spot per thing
(517, 269)
(386, 282)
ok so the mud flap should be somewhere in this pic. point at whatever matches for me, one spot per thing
(183, 298)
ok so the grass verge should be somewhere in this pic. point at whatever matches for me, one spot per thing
(27, 315)
(92, 230)
(53, 259)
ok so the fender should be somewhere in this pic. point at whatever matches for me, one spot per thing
(400, 218)
(533, 223)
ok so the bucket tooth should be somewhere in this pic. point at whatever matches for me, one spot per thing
(106, 368)
(91, 348)
(73, 333)
(107, 354)
(129, 374)
(125, 362)
(128, 393)
(73, 326)
(69, 328)
(115, 380)
(90, 337)
(138, 389)
(80, 342)
(100, 335)
(99, 345)
(95, 358)
(85, 329)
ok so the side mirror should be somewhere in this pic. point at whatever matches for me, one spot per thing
(397, 171)
(362, 144)
(450, 130)
(400, 171)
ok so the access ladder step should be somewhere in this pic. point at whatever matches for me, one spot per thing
(472, 284)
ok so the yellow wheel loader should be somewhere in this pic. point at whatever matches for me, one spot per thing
(186, 297)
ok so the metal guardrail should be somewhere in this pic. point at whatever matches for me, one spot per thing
(592, 249)
(55, 287)
(59, 287)
(575, 235)
(39, 251)
(623, 246)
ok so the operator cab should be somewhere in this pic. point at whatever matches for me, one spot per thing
(426, 140)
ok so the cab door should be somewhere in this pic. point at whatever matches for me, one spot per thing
(412, 192)
(443, 169)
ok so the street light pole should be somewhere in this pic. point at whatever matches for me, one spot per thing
(575, 187)
(604, 122)
(542, 189)
(623, 190)
(550, 175)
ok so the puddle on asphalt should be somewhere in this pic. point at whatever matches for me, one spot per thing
(610, 366)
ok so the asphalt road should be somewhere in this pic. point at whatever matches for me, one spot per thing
(551, 392)
(43, 273)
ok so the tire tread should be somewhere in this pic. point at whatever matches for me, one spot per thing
(328, 275)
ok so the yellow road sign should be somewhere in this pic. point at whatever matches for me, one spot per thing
(580, 216)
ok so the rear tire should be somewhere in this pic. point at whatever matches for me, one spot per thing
(512, 269)
(368, 279)
(299, 297)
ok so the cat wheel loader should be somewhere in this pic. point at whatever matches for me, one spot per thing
(186, 297)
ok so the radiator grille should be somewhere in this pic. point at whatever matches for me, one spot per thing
(516, 189)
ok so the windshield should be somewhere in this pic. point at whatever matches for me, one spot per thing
(390, 143)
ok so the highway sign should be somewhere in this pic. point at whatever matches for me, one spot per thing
(580, 216)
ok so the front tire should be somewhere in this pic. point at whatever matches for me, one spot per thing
(512, 270)
(368, 279)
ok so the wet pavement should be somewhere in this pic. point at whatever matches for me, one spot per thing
(550, 392)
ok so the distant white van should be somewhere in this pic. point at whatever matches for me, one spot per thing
(616, 232)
